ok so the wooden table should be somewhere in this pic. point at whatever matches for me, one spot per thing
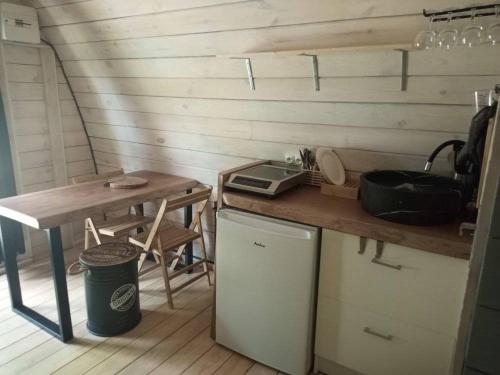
(48, 210)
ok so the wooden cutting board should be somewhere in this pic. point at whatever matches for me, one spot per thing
(126, 182)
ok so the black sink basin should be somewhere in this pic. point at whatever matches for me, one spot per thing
(411, 197)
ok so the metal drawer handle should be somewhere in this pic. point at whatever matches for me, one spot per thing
(382, 263)
(378, 255)
(380, 335)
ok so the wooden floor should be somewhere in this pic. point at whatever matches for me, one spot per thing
(165, 342)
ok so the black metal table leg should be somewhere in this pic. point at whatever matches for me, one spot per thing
(10, 258)
(63, 331)
(60, 285)
(141, 212)
(188, 217)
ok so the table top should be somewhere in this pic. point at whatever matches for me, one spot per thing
(307, 205)
(54, 207)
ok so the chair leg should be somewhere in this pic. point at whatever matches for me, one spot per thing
(87, 237)
(167, 282)
(94, 231)
(177, 257)
(142, 258)
(204, 255)
(156, 257)
(164, 269)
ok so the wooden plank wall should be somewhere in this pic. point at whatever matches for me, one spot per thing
(157, 93)
(33, 139)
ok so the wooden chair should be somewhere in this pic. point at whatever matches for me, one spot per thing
(167, 242)
(110, 226)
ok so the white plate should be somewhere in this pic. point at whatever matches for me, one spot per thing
(330, 166)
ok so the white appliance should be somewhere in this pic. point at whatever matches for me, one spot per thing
(19, 23)
(266, 289)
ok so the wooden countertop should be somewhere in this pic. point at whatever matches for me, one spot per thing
(307, 205)
(53, 207)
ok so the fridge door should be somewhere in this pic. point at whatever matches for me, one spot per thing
(266, 283)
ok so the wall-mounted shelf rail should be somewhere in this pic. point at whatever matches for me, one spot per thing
(460, 13)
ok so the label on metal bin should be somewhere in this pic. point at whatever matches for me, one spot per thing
(123, 298)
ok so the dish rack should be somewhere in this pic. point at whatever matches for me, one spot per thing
(349, 190)
(314, 178)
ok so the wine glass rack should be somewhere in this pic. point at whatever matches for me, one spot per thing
(461, 13)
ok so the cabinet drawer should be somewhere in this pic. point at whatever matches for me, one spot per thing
(352, 337)
(427, 291)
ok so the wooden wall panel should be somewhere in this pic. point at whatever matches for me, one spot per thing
(411, 116)
(269, 12)
(17, 54)
(421, 90)
(317, 35)
(25, 73)
(31, 126)
(74, 11)
(158, 88)
(35, 159)
(272, 142)
(234, 15)
(34, 108)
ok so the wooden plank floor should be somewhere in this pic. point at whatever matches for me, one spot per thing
(167, 341)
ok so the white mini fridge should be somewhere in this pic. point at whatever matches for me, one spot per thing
(266, 289)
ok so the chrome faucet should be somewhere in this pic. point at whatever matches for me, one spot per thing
(457, 146)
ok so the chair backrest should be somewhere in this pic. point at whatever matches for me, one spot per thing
(202, 193)
(96, 177)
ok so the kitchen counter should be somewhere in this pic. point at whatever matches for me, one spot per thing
(307, 205)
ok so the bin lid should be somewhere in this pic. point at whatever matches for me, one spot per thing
(108, 254)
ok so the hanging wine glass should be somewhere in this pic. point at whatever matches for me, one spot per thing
(426, 39)
(448, 36)
(493, 32)
(473, 34)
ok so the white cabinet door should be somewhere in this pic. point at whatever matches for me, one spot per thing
(427, 291)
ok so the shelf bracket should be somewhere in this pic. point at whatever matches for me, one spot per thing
(404, 69)
(248, 65)
(315, 66)
(251, 80)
